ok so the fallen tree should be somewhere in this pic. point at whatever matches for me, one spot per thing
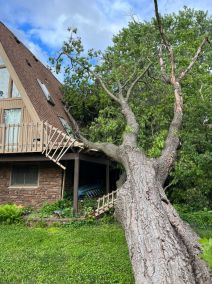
(162, 248)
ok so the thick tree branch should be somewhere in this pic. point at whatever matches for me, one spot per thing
(194, 59)
(108, 148)
(169, 153)
(136, 80)
(131, 133)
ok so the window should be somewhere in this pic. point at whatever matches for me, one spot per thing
(4, 82)
(1, 61)
(8, 88)
(46, 92)
(24, 176)
(15, 92)
(65, 124)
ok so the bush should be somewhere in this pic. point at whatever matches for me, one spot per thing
(10, 213)
(64, 208)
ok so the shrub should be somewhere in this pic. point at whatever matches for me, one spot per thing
(64, 208)
(10, 213)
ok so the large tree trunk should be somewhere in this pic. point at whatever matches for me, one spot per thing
(162, 248)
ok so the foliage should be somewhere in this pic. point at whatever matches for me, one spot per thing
(152, 102)
(207, 248)
(10, 213)
(62, 207)
(201, 221)
(64, 255)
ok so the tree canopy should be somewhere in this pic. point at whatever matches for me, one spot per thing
(133, 56)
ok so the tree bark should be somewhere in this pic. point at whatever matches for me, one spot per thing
(162, 248)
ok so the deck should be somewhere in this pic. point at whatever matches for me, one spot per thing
(36, 137)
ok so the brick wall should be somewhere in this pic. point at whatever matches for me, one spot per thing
(49, 188)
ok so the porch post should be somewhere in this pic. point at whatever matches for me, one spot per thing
(76, 184)
(107, 177)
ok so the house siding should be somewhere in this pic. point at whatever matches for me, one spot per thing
(48, 189)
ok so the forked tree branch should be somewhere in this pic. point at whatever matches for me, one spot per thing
(194, 59)
(129, 91)
(169, 153)
(96, 76)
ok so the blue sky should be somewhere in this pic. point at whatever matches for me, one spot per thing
(42, 24)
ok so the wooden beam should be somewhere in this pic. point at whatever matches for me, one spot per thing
(76, 184)
(107, 178)
(91, 159)
(32, 158)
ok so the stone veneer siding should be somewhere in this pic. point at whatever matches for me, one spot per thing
(48, 189)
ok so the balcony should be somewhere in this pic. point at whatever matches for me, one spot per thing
(40, 137)
(22, 138)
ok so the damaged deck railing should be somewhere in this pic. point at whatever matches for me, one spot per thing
(106, 202)
(36, 137)
(57, 143)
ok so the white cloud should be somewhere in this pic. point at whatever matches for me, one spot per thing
(42, 25)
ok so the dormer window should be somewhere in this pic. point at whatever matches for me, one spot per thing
(46, 92)
(66, 126)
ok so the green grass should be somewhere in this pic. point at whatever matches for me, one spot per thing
(87, 254)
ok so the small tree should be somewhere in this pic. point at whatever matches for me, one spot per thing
(162, 248)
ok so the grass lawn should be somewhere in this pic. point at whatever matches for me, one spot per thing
(85, 254)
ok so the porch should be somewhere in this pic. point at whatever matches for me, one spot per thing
(81, 169)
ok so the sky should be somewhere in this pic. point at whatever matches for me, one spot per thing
(42, 24)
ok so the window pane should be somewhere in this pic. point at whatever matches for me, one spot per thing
(17, 176)
(15, 92)
(4, 82)
(1, 61)
(31, 175)
(46, 92)
(24, 176)
(66, 125)
(12, 116)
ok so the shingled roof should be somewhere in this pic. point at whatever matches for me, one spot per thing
(29, 69)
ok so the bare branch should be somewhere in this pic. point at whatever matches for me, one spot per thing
(165, 78)
(133, 74)
(97, 77)
(165, 41)
(104, 86)
(136, 80)
(194, 59)
(108, 148)
(160, 27)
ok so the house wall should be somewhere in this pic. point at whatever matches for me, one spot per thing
(48, 189)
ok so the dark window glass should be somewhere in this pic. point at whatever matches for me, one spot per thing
(22, 175)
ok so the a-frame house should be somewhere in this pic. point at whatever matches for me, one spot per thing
(39, 159)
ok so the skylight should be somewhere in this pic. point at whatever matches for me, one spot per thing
(66, 126)
(46, 92)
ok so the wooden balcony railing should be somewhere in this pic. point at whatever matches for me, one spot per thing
(22, 138)
(39, 137)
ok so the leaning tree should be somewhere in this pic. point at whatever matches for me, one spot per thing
(162, 248)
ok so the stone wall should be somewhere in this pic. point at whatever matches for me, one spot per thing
(48, 189)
